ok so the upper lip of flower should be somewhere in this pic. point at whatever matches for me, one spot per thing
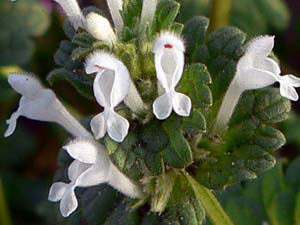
(111, 86)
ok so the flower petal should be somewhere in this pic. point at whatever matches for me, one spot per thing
(76, 169)
(96, 174)
(292, 80)
(123, 184)
(288, 91)
(100, 60)
(162, 106)
(117, 126)
(68, 203)
(260, 47)
(12, 124)
(254, 79)
(99, 27)
(181, 104)
(25, 84)
(57, 191)
(179, 70)
(159, 70)
(83, 150)
(103, 85)
(269, 65)
(121, 84)
(98, 126)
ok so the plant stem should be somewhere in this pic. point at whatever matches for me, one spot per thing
(134, 101)
(220, 14)
(228, 105)
(4, 212)
(213, 209)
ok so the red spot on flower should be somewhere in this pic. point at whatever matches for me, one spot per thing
(168, 46)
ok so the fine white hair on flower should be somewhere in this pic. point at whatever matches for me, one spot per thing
(169, 63)
(111, 86)
(255, 70)
(99, 27)
(65, 192)
(39, 103)
(73, 12)
(167, 38)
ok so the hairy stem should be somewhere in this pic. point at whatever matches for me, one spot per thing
(4, 212)
(220, 13)
(134, 100)
(228, 105)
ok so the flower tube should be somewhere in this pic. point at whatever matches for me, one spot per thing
(73, 12)
(169, 63)
(148, 12)
(39, 103)
(255, 70)
(115, 6)
(111, 86)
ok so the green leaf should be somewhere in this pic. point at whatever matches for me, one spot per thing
(123, 216)
(126, 159)
(194, 33)
(27, 19)
(166, 13)
(81, 83)
(297, 210)
(162, 192)
(98, 203)
(212, 207)
(194, 83)
(195, 124)
(178, 153)
(184, 207)
(84, 40)
(281, 211)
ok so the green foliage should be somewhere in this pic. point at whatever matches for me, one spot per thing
(254, 17)
(176, 160)
(245, 150)
(18, 24)
(273, 198)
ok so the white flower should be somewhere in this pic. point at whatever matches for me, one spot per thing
(101, 169)
(99, 27)
(255, 70)
(73, 12)
(39, 103)
(169, 62)
(111, 86)
(64, 193)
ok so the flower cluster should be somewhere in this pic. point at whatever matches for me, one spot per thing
(113, 85)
